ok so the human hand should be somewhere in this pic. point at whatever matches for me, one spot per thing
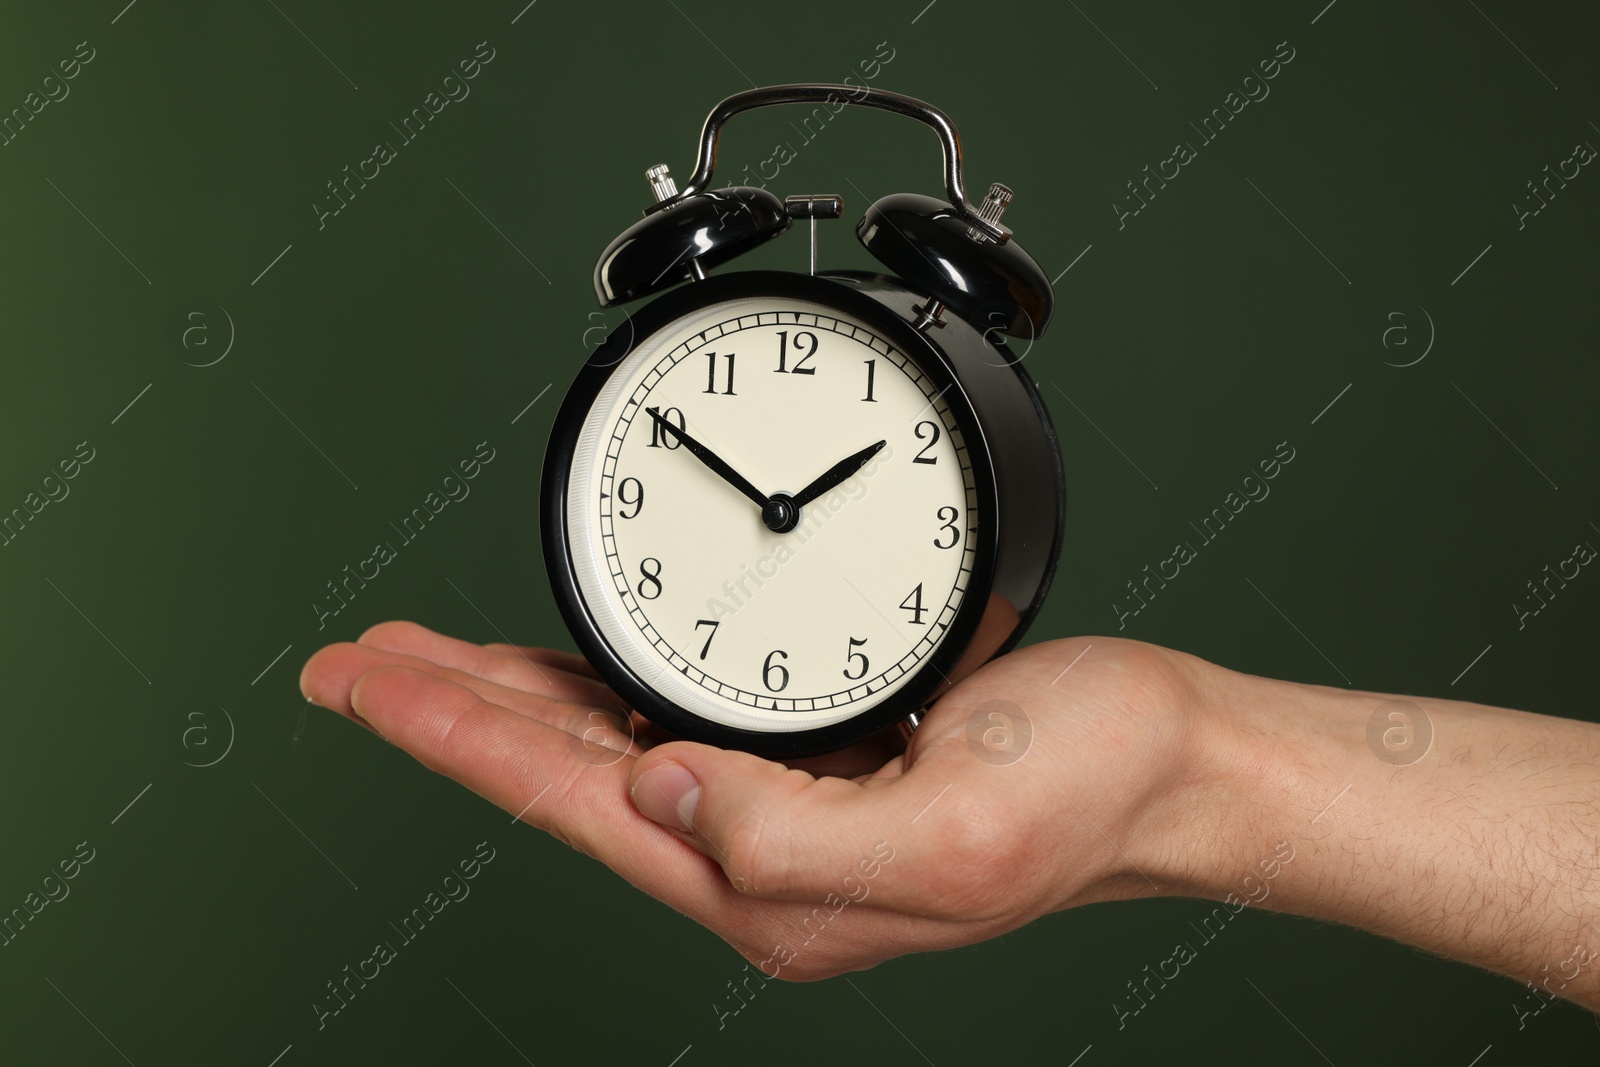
(979, 826)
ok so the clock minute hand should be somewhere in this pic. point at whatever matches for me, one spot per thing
(836, 474)
(710, 459)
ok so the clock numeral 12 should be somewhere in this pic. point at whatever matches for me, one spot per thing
(800, 350)
(856, 642)
(711, 373)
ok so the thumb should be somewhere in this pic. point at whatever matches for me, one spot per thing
(777, 833)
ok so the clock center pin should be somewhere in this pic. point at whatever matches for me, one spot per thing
(781, 514)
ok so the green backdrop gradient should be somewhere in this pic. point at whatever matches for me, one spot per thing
(169, 591)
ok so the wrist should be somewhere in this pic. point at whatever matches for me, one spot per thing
(1280, 776)
(1220, 818)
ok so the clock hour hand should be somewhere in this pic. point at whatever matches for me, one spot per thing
(836, 474)
(710, 459)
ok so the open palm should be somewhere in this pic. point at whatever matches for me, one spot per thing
(1029, 787)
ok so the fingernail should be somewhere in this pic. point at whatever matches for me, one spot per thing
(355, 713)
(668, 794)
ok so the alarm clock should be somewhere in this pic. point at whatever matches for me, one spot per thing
(782, 512)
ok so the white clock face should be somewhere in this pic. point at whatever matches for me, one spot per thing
(708, 605)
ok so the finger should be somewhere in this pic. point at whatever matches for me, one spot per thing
(330, 675)
(570, 662)
(863, 758)
(778, 833)
(529, 769)
(532, 771)
(529, 669)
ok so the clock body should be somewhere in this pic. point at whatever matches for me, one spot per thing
(919, 565)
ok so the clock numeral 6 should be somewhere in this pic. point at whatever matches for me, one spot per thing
(666, 440)
(913, 604)
(711, 373)
(636, 501)
(769, 668)
(802, 348)
(856, 642)
(652, 578)
(933, 428)
(949, 524)
(713, 623)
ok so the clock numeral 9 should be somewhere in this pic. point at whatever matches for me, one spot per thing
(949, 524)
(658, 439)
(769, 668)
(711, 373)
(933, 428)
(856, 642)
(800, 348)
(637, 500)
(652, 578)
(913, 604)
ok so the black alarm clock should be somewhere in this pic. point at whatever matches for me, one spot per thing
(782, 512)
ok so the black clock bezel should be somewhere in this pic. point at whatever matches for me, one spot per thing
(559, 454)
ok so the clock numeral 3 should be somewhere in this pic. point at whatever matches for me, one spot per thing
(652, 578)
(913, 604)
(713, 623)
(666, 440)
(800, 348)
(769, 668)
(856, 642)
(872, 370)
(637, 500)
(711, 373)
(933, 428)
(949, 524)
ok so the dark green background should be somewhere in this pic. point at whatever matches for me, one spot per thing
(408, 330)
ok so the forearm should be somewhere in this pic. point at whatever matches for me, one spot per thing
(1482, 846)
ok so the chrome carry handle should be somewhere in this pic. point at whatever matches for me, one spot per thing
(816, 92)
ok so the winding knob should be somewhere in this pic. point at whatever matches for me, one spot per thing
(661, 182)
(995, 203)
